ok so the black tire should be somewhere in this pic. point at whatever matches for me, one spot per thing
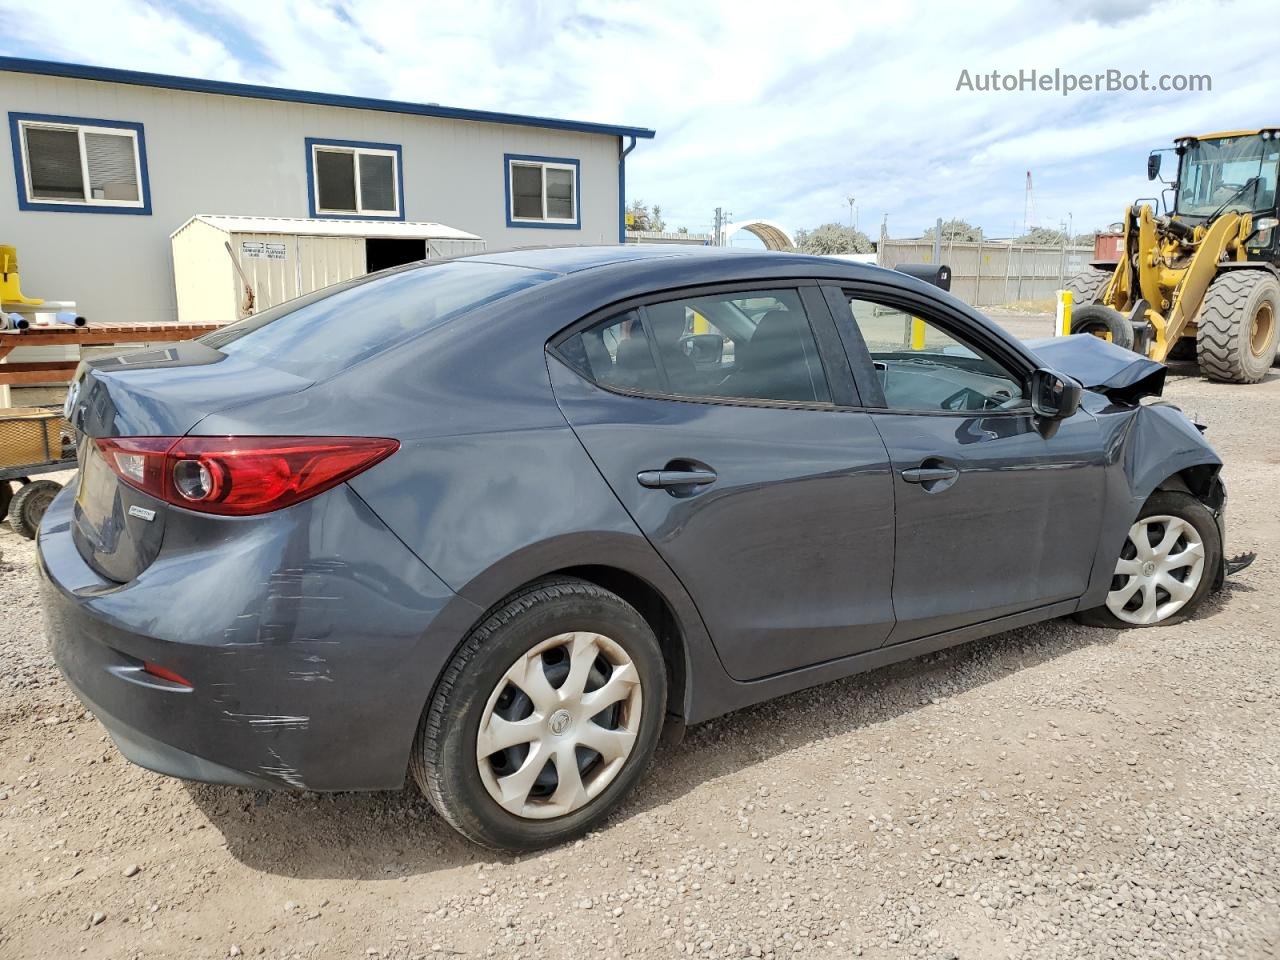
(1238, 326)
(443, 760)
(6, 496)
(1174, 504)
(1096, 320)
(29, 505)
(1087, 287)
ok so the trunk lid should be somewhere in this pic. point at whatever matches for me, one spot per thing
(155, 393)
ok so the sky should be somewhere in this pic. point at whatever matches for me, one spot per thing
(778, 111)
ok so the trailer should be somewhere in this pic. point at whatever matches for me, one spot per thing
(33, 441)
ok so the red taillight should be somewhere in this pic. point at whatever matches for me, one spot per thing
(240, 476)
(164, 673)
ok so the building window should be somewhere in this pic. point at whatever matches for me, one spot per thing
(76, 164)
(349, 179)
(542, 192)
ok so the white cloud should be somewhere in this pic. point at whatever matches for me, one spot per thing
(772, 110)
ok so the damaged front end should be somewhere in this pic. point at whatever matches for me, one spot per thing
(1149, 446)
(1099, 365)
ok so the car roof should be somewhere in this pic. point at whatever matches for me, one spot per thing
(641, 257)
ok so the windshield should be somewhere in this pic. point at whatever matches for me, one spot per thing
(1214, 173)
(321, 334)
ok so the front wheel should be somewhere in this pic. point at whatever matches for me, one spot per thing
(1167, 565)
(544, 719)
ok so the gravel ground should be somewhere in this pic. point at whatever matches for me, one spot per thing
(1054, 792)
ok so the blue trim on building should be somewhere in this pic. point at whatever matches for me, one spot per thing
(44, 206)
(508, 158)
(74, 71)
(312, 142)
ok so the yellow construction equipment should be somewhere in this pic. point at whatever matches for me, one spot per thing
(1202, 280)
(10, 287)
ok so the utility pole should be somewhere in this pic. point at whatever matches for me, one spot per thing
(723, 217)
(853, 217)
(1028, 206)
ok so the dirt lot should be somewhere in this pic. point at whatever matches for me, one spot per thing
(1055, 792)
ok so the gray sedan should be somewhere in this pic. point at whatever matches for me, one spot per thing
(493, 523)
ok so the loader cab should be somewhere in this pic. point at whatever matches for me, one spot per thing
(1235, 172)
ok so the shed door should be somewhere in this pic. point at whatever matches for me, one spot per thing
(327, 260)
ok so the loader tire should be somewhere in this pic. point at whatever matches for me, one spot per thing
(1087, 287)
(1237, 326)
(1098, 321)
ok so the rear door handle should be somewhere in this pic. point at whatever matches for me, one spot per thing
(667, 479)
(929, 474)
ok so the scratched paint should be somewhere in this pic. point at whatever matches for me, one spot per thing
(270, 721)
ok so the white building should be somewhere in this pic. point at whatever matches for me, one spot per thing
(107, 164)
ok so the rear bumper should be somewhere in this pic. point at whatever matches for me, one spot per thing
(312, 638)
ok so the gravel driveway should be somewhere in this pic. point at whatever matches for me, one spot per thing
(1054, 792)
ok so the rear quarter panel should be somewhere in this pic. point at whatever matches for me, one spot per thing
(490, 487)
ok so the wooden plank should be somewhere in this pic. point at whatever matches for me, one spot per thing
(53, 371)
(104, 336)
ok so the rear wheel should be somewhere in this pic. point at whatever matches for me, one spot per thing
(544, 719)
(1087, 287)
(1099, 321)
(6, 495)
(1237, 328)
(29, 504)
(1167, 565)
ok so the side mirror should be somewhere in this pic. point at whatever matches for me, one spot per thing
(1153, 166)
(1053, 395)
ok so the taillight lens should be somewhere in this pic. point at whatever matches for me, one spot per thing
(240, 476)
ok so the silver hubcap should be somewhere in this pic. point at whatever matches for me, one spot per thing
(1159, 569)
(559, 726)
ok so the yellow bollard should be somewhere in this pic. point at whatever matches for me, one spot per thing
(1063, 319)
(917, 333)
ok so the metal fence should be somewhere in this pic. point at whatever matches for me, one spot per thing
(992, 272)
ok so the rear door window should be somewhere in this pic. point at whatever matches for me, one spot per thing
(755, 345)
(320, 335)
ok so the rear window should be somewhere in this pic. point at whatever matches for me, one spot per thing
(322, 334)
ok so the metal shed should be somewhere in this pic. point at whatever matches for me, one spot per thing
(227, 267)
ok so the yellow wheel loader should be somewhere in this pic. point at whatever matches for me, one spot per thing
(1201, 280)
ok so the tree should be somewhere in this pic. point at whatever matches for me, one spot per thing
(645, 217)
(956, 231)
(1044, 237)
(833, 238)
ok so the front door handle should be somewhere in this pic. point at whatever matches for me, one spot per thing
(929, 474)
(669, 479)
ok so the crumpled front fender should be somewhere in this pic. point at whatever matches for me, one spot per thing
(1148, 446)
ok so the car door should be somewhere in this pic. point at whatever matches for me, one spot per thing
(994, 513)
(725, 422)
